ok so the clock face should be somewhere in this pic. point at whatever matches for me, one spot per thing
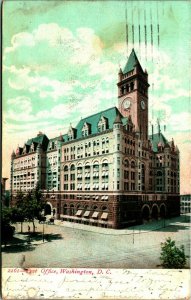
(142, 104)
(127, 103)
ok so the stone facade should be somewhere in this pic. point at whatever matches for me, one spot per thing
(107, 171)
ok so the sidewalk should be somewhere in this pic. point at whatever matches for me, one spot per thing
(145, 228)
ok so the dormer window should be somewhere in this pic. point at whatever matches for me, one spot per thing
(86, 129)
(102, 124)
(32, 148)
(71, 133)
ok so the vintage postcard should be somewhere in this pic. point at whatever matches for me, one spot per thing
(96, 193)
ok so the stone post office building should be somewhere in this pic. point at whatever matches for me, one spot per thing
(107, 171)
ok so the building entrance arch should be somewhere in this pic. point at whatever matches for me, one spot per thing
(145, 212)
(155, 211)
(47, 209)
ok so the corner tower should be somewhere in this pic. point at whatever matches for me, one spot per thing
(133, 94)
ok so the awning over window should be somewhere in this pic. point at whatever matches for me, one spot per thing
(79, 213)
(86, 214)
(95, 214)
(104, 216)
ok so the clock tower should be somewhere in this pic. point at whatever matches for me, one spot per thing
(133, 94)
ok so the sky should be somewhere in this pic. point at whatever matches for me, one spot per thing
(61, 61)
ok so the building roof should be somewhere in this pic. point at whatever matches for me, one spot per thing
(39, 139)
(110, 114)
(118, 119)
(132, 61)
(156, 139)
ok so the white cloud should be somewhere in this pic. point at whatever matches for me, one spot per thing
(80, 47)
(19, 40)
(22, 80)
(20, 109)
(60, 111)
(180, 121)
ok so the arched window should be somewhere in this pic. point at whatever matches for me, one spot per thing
(104, 208)
(105, 163)
(159, 173)
(65, 168)
(126, 163)
(72, 168)
(132, 164)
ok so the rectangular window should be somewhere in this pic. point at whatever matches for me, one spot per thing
(117, 185)
(65, 187)
(66, 177)
(72, 177)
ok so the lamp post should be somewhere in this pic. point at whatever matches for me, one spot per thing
(43, 226)
(43, 232)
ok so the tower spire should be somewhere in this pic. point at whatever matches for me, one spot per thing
(126, 28)
(145, 26)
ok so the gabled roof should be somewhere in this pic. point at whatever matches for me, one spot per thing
(118, 119)
(157, 139)
(132, 62)
(39, 139)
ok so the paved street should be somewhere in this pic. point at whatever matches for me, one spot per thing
(65, 246)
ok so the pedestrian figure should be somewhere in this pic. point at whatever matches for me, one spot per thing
(29, 228)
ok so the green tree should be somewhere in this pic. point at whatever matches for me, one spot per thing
(18, 211)
(172, 257)
(28, 206)
(7, 230)
(6, 215)
(33, 205)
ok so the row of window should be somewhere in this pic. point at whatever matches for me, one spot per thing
(86, 187)
(81, 147)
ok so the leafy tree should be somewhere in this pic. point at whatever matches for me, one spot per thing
(33, 205)
(6, 215)
(28, 206)
(7, 230)
(172, 257)
(18, 212)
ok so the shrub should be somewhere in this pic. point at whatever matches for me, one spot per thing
(172, 257)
